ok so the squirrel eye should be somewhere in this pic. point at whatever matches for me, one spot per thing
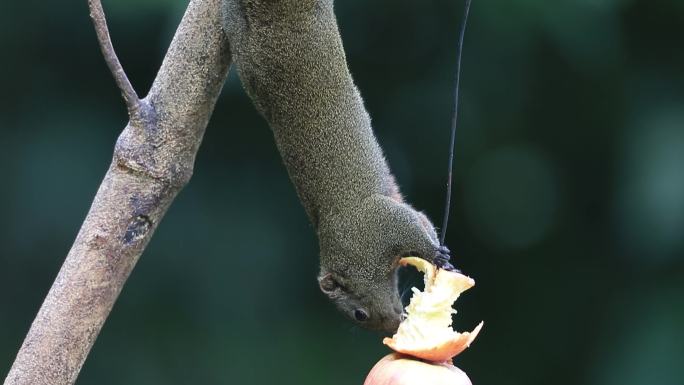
(360, 315)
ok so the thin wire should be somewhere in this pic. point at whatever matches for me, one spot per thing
(447, 204)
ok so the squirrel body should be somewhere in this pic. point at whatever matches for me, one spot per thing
(291, 61)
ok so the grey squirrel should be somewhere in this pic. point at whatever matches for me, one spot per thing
(291, 61)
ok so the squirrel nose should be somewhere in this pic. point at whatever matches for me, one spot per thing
(391, 325)
(391, 322)
(398, 308)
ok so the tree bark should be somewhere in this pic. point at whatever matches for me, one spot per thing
(153, 160)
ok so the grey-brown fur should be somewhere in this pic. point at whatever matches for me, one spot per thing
(291, 61)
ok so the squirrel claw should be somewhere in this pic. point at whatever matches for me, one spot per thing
(444, 265)
(442, 259)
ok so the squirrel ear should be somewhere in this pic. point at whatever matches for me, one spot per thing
(328, 283)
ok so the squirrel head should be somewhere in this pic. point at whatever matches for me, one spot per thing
(373, 304)
(361, 246)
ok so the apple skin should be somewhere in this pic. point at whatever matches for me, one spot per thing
(399, 369)
(440, 353)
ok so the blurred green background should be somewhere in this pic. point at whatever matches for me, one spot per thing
(568, 203)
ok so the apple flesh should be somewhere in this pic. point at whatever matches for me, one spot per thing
(426, 332)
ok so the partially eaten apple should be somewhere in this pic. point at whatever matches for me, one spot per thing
(426, 333)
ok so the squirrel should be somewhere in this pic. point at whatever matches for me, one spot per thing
(290, 59)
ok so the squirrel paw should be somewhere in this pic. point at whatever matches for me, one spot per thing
(442, 259)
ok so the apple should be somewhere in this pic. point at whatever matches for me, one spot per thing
(399, 369)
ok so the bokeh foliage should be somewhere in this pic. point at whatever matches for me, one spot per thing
(568, 206)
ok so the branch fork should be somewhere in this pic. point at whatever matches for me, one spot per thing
(104, 39)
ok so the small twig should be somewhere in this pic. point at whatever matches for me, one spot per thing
(127, 90)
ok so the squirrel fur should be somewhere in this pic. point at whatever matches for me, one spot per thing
(291, 62)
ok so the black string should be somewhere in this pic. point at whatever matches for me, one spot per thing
(454, 119)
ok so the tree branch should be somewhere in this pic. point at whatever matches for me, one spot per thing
(153, 160)
(127, 90)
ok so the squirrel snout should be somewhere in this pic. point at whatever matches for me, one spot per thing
(391, 324)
